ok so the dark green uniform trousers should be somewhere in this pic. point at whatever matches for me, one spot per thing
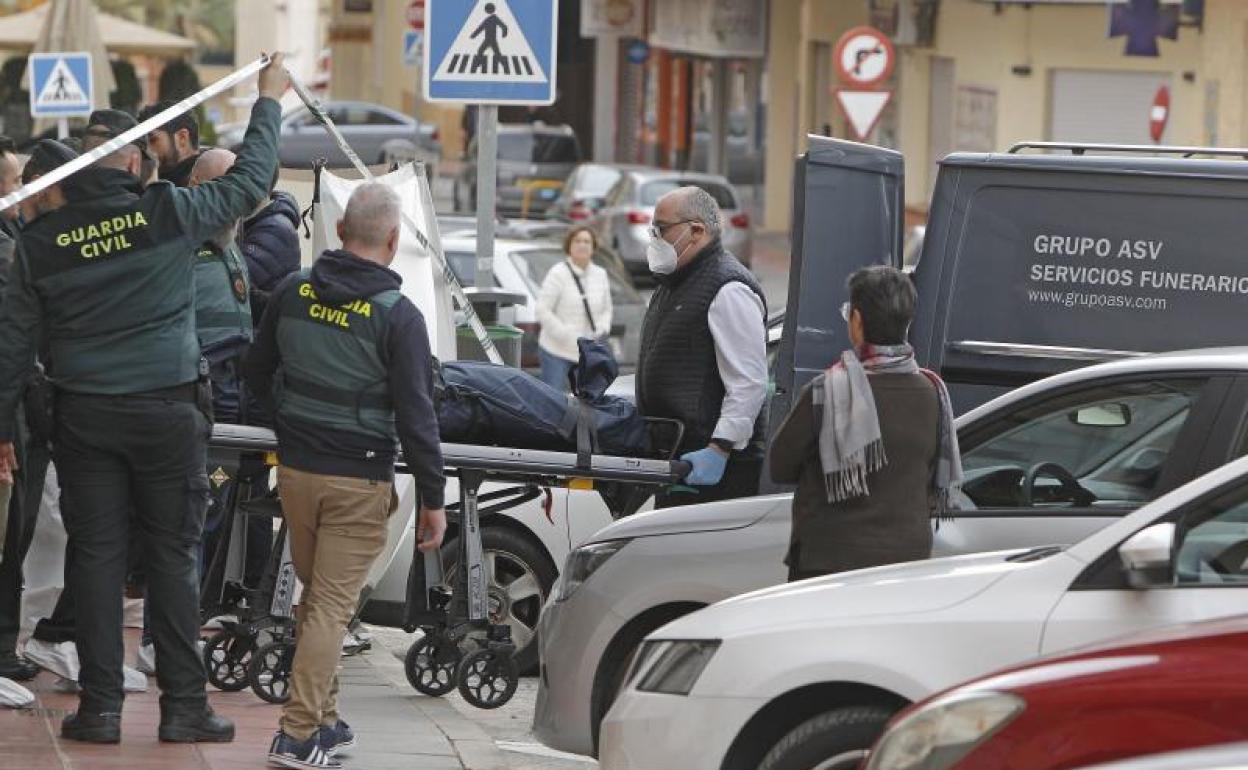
(143, 454)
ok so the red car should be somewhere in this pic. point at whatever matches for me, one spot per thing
(1176, 688)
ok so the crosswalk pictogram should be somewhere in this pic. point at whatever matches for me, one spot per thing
(491, 46)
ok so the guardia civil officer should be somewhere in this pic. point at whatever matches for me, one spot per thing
(351, 354)
(111, 291)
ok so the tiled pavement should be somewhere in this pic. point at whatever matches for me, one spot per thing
(395, 727)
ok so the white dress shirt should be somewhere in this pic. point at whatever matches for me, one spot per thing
(740, 334)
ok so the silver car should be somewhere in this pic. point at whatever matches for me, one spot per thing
(374, 131)
(584, 192)
(1049, 463)
(624, 220)
(534, 161)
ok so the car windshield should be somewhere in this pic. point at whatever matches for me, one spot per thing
(596, 181)
(464, 265)
(534, 264)
(528, 147)
(652, 191)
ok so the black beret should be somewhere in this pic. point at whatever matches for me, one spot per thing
(47, 155)
(110, 124)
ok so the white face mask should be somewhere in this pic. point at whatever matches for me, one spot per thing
(661, 255)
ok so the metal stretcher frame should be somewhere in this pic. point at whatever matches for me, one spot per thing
(501, 463)
(474, 465)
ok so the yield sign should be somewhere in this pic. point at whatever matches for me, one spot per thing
(863, 109)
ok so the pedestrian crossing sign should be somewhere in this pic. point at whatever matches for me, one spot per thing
(491, 51)
(60, 84)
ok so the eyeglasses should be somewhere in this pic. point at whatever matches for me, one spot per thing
(657, 229)
(845, 308)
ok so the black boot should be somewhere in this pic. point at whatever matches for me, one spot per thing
(15, 668)
(92, 728)
(202, 727)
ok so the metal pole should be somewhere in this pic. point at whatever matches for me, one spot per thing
(487, 189)
(717, 160)
(62, 128)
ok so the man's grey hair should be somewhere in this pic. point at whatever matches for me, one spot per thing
(373, 210)
(697, 205)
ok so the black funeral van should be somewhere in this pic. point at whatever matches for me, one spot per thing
(1035, 261)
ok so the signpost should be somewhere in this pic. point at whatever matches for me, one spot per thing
(60, 87)
(490, 52)
(864, 58)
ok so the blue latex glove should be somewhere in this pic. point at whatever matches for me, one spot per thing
(708, 467)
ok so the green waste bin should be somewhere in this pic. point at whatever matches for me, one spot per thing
(506, 339)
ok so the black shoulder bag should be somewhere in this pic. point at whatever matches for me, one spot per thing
(584, 301)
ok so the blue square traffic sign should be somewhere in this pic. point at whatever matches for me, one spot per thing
(491, 51)
(60, 84)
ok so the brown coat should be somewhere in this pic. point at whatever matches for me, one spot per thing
(892, 524)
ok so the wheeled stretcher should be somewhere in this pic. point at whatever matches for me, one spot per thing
(460, 645)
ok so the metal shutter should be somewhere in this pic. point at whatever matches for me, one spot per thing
(1102, 106)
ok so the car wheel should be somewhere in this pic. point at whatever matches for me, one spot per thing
(521, 576)
(618, 658)
(835, 740)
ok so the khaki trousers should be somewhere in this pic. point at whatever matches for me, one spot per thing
(337, 528)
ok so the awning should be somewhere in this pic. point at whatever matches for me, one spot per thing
(19, 31)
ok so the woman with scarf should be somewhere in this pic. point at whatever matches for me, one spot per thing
(870, 443)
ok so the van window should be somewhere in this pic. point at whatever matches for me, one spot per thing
(652, 191)
(526, 147)
(1105, 446)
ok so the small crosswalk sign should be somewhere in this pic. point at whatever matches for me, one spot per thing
(413, 41)
(491, 51)
(60, 84)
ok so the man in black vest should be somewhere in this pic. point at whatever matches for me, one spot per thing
(704, 349)
(355, 382)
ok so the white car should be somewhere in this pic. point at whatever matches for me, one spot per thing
(1051, 462)
(807, 674)
(521, 266)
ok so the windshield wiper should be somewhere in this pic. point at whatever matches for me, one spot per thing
(1036, 554)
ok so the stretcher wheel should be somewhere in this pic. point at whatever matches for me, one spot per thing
(431, 665)
(488, 678)
(269, 671)
(226, 658)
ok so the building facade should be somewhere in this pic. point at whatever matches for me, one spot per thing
(990, 74)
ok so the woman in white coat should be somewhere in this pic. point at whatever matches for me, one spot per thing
(575, 302)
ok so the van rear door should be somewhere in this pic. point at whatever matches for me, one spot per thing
(847, 213)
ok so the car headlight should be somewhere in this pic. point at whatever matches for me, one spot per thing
(583, 562)
(676, 667)
(944, 731)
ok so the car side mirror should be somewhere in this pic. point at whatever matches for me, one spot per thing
(1147, 556)
(1102, 416)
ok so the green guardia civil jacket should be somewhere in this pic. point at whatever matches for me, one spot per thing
(107, 278)
(222, 297)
